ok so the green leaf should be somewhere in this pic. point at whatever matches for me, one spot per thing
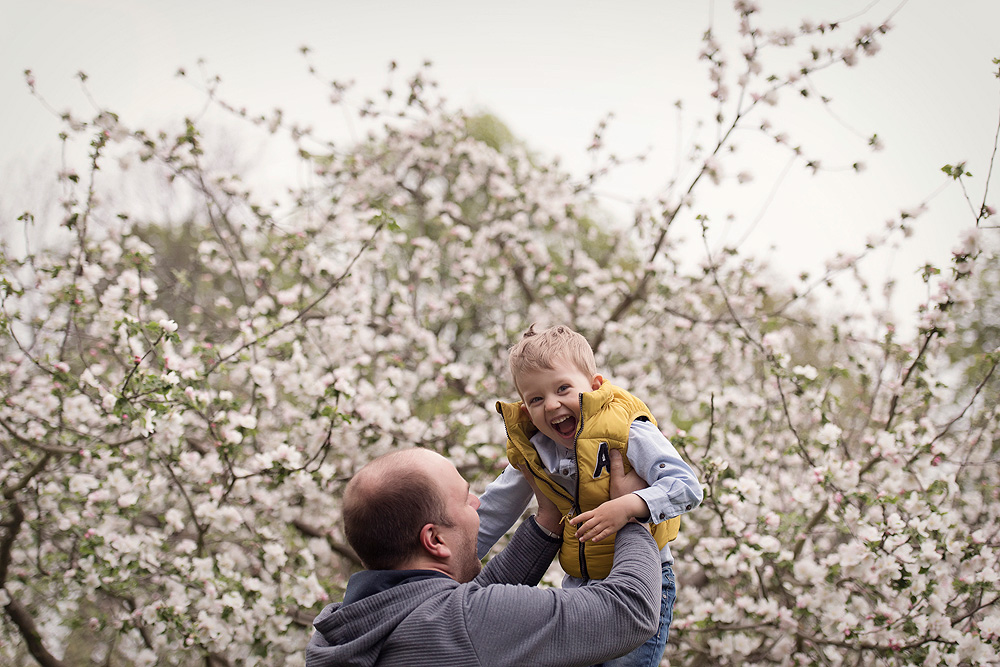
(956, 171)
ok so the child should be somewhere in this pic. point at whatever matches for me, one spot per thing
(562, 432)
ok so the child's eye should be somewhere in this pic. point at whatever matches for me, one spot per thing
(564, 387)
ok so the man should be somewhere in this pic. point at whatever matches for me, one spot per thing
(423, 600)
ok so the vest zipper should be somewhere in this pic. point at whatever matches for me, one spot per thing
(576, 501)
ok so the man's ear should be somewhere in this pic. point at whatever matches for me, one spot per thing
(433, 542)
(597, 382)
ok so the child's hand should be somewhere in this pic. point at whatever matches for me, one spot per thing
(609, 517)
(615, 513)
(548, 516)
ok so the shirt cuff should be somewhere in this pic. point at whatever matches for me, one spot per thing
(649, 514)
(546, 531)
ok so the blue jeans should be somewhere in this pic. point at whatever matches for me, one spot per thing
(650, 653)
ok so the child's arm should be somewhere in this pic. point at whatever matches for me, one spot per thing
(624, 506)
(501, 504)
(673, 488)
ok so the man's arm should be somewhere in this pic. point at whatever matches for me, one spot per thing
(524, 560)
(527, 625)
(515, 568)
(501, 504)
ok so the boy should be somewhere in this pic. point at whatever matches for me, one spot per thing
(563, 431)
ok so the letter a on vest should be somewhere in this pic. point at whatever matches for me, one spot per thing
(603, 460)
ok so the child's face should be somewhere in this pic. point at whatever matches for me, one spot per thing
(552, 399)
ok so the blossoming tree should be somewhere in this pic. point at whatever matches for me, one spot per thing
(183, 404)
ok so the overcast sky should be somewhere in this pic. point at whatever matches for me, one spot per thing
(551, 70)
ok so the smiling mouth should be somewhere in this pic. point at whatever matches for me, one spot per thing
(565, 426)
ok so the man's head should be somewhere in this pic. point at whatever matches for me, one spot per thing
(412, 510)
(551, 368)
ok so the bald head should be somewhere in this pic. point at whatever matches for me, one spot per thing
(376, 474)
(388, 502)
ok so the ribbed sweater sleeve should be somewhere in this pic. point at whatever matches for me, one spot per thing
(525, 559)
(522, 625)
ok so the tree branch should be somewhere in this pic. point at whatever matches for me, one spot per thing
(19, 615)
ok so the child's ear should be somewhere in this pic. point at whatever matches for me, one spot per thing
(597, 382)
(524, 408)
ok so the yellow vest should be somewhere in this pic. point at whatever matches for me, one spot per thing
(605, 417)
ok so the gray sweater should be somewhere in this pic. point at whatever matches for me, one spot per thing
(421, 618)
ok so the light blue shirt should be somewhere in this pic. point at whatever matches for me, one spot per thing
(673, 488)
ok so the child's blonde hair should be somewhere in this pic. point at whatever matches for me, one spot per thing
(538, 350)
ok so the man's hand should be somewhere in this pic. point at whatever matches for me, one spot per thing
(623, 507)
(621, 483)
(549, 516)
